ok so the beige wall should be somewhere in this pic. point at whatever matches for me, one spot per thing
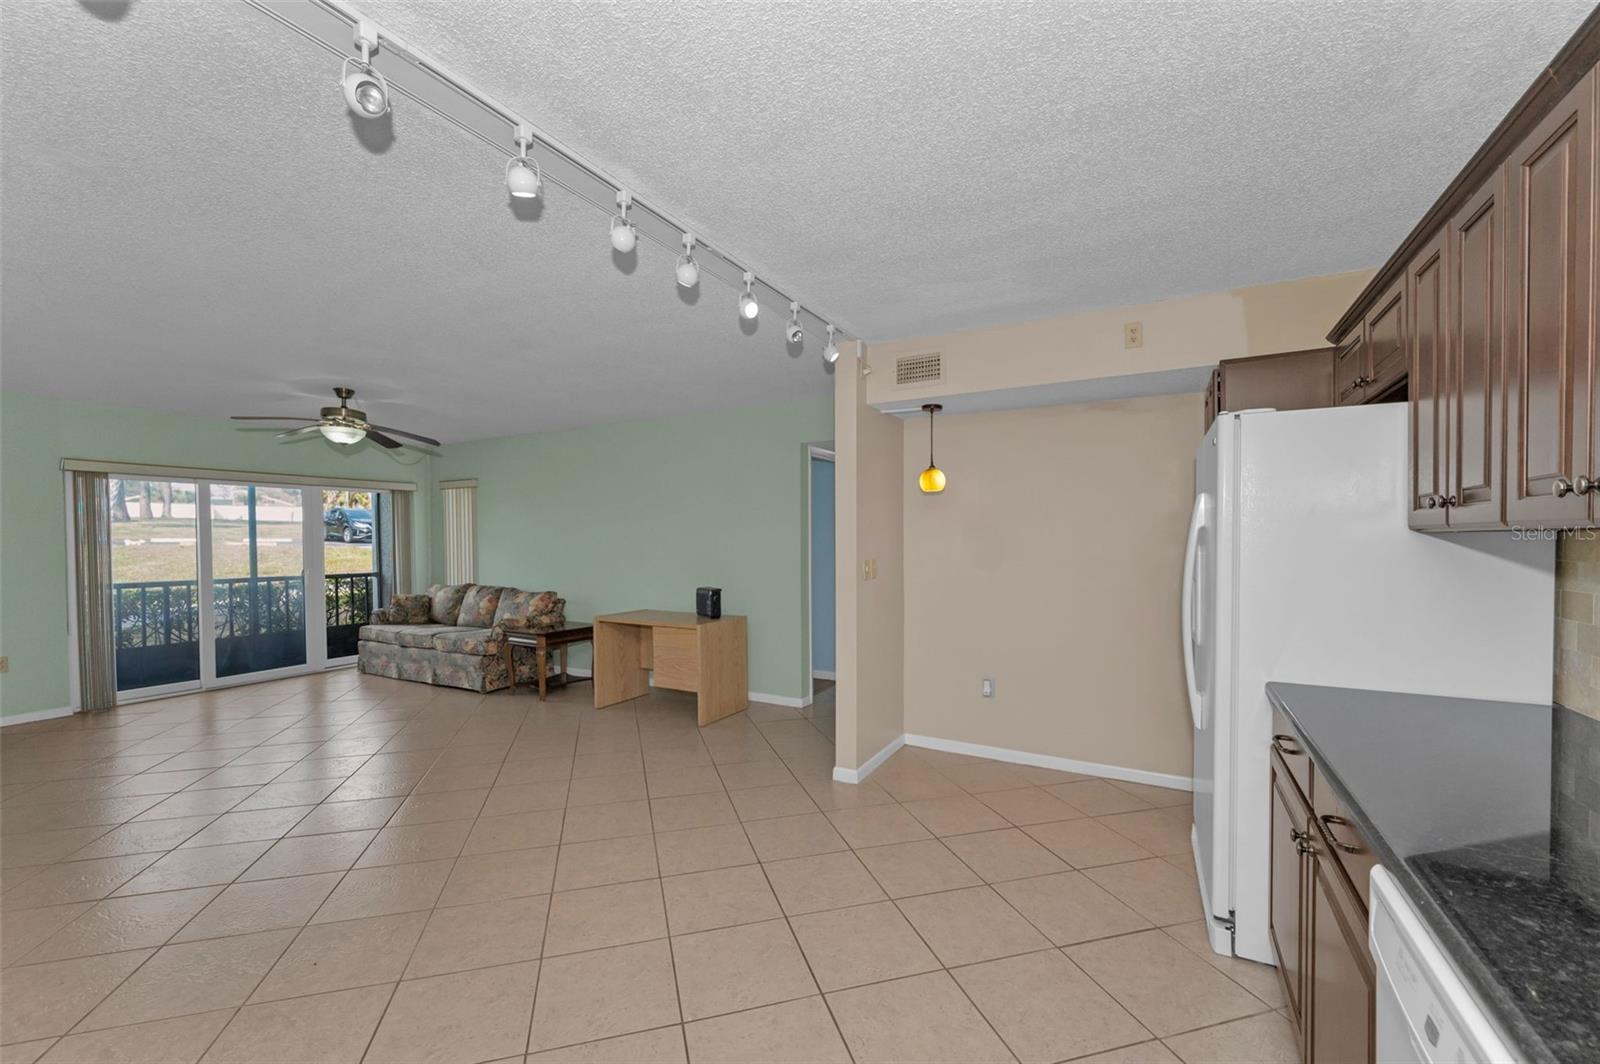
(1178, 333)
(1052, 563)
(1577, 665)
(870, 613)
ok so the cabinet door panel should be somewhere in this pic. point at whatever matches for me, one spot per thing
(1549, 183)
(1290, 823)
(1475, 363)
(1428, 387)
(1386, 342)
(1350, 370)
(1339, 997)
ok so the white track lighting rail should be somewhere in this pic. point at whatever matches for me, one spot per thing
(410, 73)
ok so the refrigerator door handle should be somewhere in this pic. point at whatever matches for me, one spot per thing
(1191, 620)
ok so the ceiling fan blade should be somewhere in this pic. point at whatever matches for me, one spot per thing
(429, 440)
(381, 440)
(296, 433)
(269, 417)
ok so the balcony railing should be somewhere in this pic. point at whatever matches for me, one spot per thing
(258, 624)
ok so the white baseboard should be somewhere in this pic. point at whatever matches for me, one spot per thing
(29, 718)
(781, 700)
(818, 674)
(1062, 764)
(870, 765)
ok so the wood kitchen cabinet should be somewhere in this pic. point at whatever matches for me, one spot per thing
(1429, 386)
(1551, 467)
(1339, 1009)
(1319, 905)
(1475, 374)
(1287, 380)
(1490, 306)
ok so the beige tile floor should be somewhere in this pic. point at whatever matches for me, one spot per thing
(345, 868)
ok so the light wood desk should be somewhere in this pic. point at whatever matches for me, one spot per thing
(687, 652)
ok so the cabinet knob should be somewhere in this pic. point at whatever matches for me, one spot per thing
(1447, 500)
(1431, 501)
(1561, 488)
(1583, 485)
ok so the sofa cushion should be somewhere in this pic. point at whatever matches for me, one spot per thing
(381, 633)
(446, 602)
(522, 610)
(462, 640)
(417, 635)
(478, 606)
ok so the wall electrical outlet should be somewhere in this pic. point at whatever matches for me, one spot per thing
(988, 687)
(1133, 334)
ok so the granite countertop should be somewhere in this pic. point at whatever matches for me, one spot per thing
(1488, 815)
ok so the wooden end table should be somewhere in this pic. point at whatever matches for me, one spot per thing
(543, 640)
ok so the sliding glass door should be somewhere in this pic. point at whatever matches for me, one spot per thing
(155, 583)
(258, 578)
(220, 583)
(352, 531)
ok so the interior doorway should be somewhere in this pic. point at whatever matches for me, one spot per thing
(821, 552)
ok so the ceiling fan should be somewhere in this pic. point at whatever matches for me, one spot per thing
(342, 424)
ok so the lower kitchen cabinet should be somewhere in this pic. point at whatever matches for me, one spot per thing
(1339, 985)
(1318, 921)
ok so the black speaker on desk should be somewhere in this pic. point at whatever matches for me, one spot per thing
(708, 602)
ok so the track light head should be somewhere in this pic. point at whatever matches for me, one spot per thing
(793, 332)
(623, 235)
(830, 354)
(523, 179)
(366, 92)
(688, 270)
(748, 307)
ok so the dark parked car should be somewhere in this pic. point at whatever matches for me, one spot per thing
(347, 523)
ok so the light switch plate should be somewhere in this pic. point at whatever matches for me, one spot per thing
(5, 664)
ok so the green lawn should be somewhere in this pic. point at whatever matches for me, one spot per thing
(145, 559)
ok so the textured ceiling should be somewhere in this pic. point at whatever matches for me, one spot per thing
(189, 220)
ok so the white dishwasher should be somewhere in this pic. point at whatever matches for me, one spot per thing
(1425, 1013)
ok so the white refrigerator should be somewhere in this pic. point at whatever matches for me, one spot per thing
(1299, 567)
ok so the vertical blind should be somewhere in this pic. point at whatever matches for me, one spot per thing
(460, 531)
(91, 541)
(400, 507)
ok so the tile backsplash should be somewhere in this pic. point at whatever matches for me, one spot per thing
(1577, 662)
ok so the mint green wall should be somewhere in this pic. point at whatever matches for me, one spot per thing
(36, 433)
(638, 515)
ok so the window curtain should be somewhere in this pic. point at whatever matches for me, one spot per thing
(400, 507)
(97, 641)
(460, 533)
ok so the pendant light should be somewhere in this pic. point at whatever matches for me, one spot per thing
(932, 480)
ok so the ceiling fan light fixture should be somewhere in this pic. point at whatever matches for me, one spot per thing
(748, 307)
(345, 435)
(523, 177)
(366, 92)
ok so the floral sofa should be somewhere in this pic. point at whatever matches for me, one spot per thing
(452, 636)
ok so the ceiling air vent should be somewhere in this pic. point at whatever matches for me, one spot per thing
(919, 369)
